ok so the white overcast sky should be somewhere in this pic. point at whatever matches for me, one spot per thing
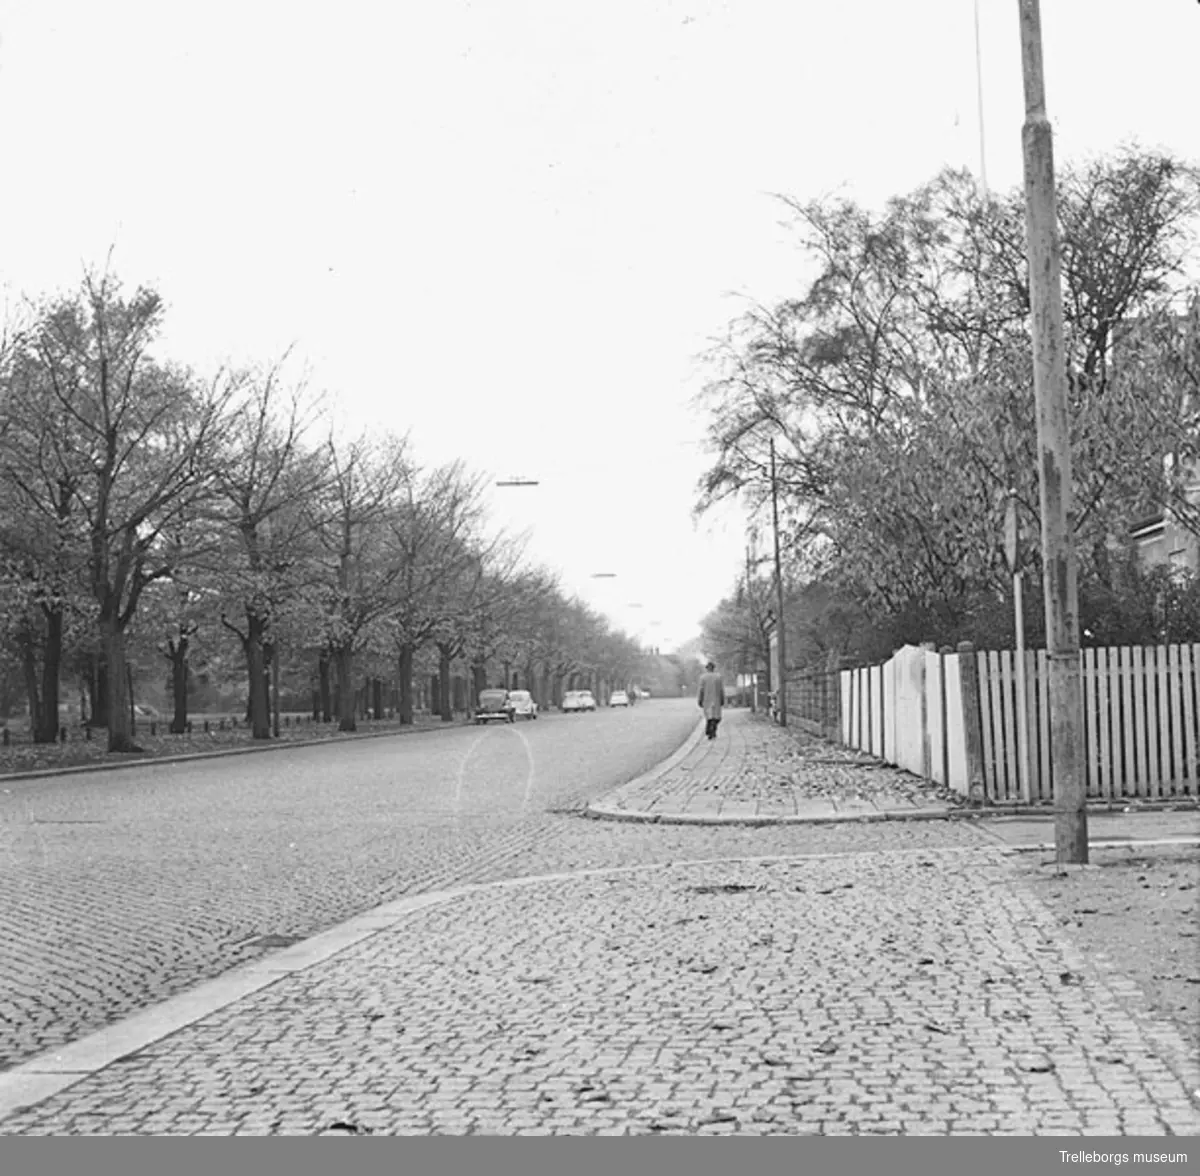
(509, 227)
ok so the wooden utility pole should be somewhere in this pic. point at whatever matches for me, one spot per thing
(751, 644)
(979, 103)
(781, 685)
(275, 687)
(1054, 454)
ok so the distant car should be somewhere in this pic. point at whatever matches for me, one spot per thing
(494, 706)
(523, 704)
(643, 694)
(618, 698)
(579, 700)
(146, 712)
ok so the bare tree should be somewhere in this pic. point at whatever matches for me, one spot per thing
(132, 452)
(265, 476)
(360, 560)
(433, 528)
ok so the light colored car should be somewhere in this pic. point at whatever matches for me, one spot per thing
(579, 700)
(618, 698)
(522, 704)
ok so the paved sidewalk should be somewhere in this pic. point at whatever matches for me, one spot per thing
(755, 773)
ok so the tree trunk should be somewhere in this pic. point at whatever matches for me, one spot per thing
(344, 658)
(275, 690)
(478, 678)
(406, 685)
(445, 710)
(377, 699)
(103, 697)
(98, 689)
(29, 664)
(120, 729)
(323, 687)
(46, 730)
(258, 712)
(179, 684)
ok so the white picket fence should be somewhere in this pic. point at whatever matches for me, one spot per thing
(1141, 720)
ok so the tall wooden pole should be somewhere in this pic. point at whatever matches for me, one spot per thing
(1054, 454)
(781, 685)
(979, 103)
(275, 687)
(751, 651)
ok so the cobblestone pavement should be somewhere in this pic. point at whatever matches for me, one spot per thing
(122, 888)
(754, 770)
(918, 990)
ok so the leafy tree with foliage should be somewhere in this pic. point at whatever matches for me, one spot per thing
(897, 388)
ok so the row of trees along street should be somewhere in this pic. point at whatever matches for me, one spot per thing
(898, 388)
(211, 534)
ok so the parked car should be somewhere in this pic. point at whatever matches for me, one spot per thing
(494, 706)
(146, 712)
(618, 698)
(578, 700)
(523, 704)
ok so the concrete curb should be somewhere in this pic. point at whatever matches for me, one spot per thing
(1175, 804)
(601, 810)
(598, 810)
(634, 816)
(187, 757)
(1131, 844)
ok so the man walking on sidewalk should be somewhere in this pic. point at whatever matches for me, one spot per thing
(711, 698)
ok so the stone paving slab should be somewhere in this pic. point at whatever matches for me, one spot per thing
(922, 992)
(759, 773)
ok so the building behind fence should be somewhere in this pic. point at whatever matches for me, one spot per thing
(953, 718)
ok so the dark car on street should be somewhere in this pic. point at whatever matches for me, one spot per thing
(494, 706)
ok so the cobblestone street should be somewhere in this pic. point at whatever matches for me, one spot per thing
(625, 977)
(915, 992)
